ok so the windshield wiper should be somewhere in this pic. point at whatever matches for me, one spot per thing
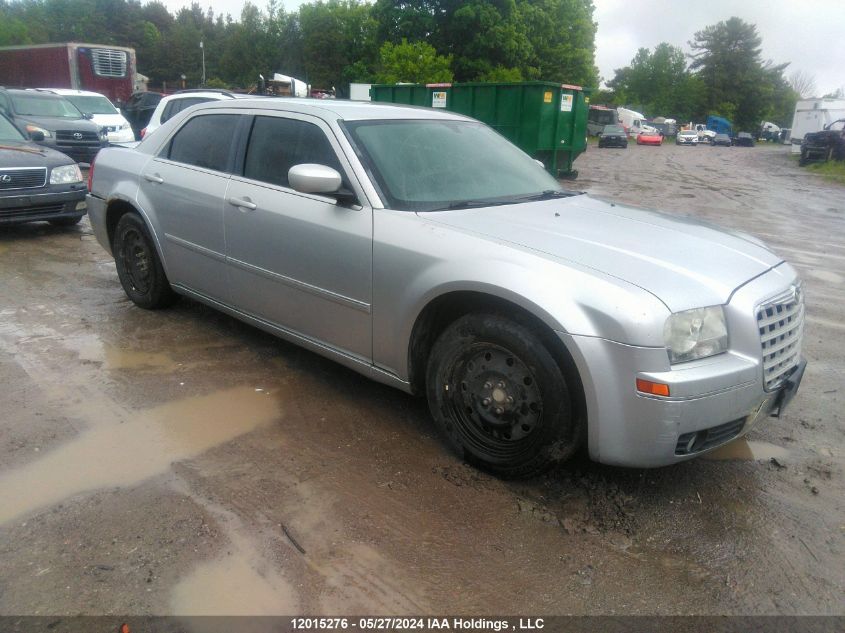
(472, 204)
(549, 194)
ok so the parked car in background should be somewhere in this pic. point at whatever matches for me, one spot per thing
(687, 137)
(61, 124)
(421, 248)
(649, 138)
(613, 136)
(139, 108)
(829, 144)
(102, 112)
(744, 139)
(172, 105)
(721, 139)
(36, 182)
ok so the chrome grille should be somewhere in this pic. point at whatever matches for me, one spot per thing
(109, 62)
(780, 322)
(75, 137)
(23, 178)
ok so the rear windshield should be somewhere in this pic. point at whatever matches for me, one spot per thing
(36, 104)
(91, 104)
(613, 129)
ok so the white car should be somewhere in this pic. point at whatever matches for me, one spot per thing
(173, 104)
(102, 112)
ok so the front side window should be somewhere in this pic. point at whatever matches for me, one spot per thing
(277, 144)
(9, 132)
(205, 141)
(425, 164)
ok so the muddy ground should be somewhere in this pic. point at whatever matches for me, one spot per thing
(182, 462)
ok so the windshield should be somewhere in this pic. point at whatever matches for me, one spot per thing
(426, 165)
(44, 105)
(613, 129)
(9, 132)
(92, 105)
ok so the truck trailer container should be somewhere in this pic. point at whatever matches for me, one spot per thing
(108, 70)
(546, 120)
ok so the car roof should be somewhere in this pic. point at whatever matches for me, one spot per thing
(33, 91)
(338, 108)
(69, 91)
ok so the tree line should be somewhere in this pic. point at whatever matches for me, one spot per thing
(330, 43)
(725, 74)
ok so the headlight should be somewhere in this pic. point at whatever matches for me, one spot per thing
(65, 175)
(695, 334)
(34, 128)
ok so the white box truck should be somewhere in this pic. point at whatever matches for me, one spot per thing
(812, 115)
(633, 122)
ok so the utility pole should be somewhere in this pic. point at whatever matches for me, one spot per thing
(202, 48)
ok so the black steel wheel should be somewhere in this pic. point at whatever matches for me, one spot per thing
(500, 397)
(138, 265)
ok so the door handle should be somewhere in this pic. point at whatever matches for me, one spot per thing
(244, 204)
(154, 178)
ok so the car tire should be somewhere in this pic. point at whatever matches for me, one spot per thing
(499, 397)
(138, 265)
(65, 221)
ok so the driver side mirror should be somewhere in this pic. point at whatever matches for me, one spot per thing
(36, 136)
(313, 178)
(87, 116)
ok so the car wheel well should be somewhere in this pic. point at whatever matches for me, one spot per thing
(116, 210)
(446, 309)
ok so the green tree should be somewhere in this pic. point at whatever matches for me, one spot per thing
(412, 62)
(659, 83)
(335, 35)
(739, 84)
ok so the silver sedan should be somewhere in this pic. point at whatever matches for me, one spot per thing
(422, 249)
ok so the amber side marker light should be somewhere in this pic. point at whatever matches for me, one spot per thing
(652, 388)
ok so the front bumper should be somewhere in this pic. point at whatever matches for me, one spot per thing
(61, 201)
(712, 400)
(122, 136)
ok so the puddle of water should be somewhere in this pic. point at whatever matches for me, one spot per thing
(233, 585)
(124, 452)
(748, 450)
(825, 275)
(92, 349)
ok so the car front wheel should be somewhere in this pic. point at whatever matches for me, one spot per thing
(499, 397)
(138, 265)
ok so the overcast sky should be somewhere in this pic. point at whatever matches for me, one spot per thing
(807, 33)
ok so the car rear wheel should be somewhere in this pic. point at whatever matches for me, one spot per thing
(138, 265)
(499, 397)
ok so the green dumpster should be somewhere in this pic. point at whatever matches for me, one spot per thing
(546, 120)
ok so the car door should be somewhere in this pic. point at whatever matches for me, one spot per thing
(183, 188)
(300, 261)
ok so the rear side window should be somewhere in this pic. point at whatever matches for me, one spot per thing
(277, 144)
(205, 141)
(177, 105)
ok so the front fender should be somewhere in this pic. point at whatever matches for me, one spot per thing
(415, 265)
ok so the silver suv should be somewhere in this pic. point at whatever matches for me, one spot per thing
(425, 251)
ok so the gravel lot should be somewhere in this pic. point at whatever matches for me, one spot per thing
(182, 462)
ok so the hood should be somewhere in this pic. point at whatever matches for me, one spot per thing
(28, 154)
(684, 262)
(115, 120)
(53, 123)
